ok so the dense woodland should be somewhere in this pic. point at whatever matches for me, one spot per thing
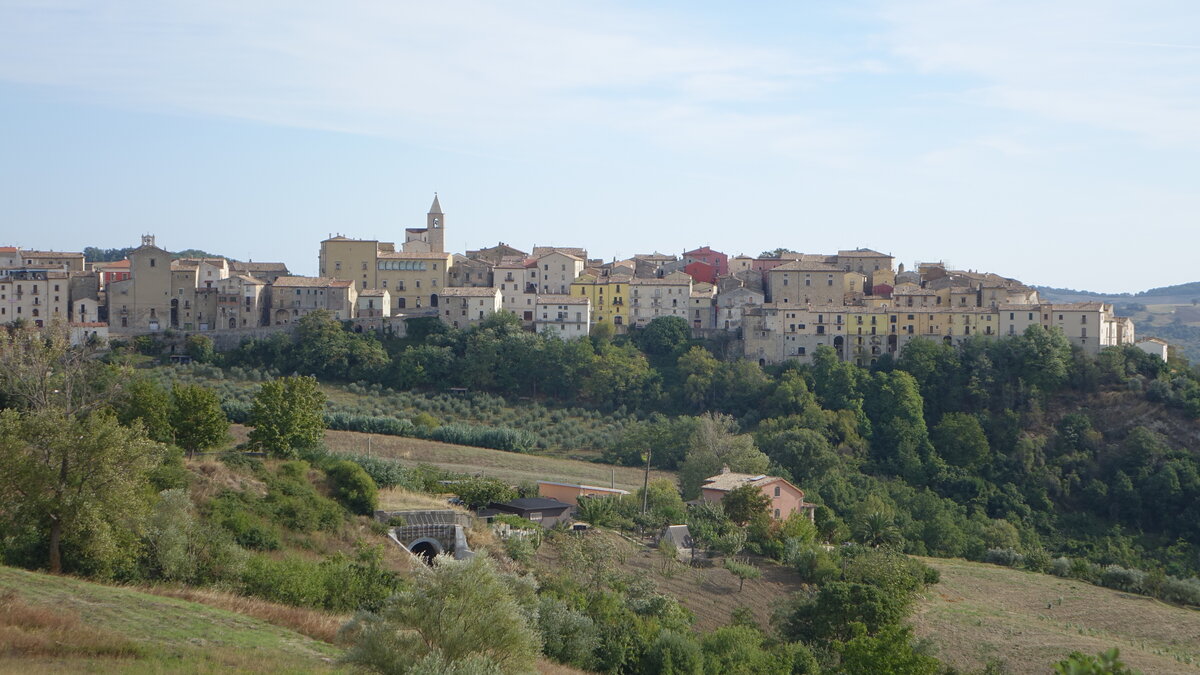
(1020, 443)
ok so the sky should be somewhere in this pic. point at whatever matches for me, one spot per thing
(1054, 142)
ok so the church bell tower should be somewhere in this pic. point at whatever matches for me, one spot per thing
(435, 222)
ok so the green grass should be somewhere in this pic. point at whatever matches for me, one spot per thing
(172, 635)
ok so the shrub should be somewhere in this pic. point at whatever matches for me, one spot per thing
(1037, 560)
(1181, 591)
(292, 581)
(1003, 556)
(1061, 567)
(353, 487)
(386, 473)
(1123, 579)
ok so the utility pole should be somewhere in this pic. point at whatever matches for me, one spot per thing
(646, 483)
(368, 446)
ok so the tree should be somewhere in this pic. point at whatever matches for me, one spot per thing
(453, 614)
(73, 478)
(478, 492)
(830, 613)
(742, 571)
(287, 416)
(745, 502)
(960, 440)
(664, 336)
(716, 444)
(739, 650)
(40, 369)
(197, 421)
(353, 487)
(199, 347)
(146, 401)
(889, 651)
(673, 653)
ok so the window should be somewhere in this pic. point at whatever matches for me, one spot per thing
(776, 490)
(152, 261)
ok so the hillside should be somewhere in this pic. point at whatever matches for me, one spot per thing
(984, 612)
(1178, 294)
(512, 467)
(62, 624)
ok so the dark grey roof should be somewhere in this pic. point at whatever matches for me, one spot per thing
(530, 504)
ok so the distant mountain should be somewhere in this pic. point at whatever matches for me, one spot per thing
(1180, 294)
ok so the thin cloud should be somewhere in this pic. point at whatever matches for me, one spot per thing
(1073, 61)
(460, 72)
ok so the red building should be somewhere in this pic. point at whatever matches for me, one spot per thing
(701, 272)
(706, 255)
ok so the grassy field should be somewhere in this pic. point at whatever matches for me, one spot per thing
(980, 612)
(513, 467)
(61, 624)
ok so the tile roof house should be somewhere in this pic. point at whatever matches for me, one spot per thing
(786, 498)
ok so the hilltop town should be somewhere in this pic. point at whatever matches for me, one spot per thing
(773, 308)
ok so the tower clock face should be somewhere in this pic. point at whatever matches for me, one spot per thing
(435, 222)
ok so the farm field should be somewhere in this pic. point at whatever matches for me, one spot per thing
(512, 467)
(985, 612)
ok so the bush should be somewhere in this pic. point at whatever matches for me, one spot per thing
(353, 487)
(1123, 579)
(387, 473)
(1037, 560)
(1003, 556)
(291, 581)
(1061, 567)
(1181, 591)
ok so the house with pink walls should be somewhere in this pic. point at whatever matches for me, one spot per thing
(786, 498)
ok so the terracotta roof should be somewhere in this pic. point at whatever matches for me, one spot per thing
(312, 282)
(562, 300)
(372, 293)
(119, 264)
(8, 249)
(469, 292)
(912, 291)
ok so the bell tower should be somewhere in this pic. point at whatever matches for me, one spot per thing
(435, 222)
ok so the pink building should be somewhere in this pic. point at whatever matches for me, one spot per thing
(786, 498)
(569, 493)
(706, 255)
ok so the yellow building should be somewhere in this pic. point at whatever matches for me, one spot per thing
(607, 296)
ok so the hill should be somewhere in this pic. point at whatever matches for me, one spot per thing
(1178, 294)
(512, 467)
(62, 624)
(980, 613)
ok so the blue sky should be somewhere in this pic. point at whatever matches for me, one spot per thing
(1055, 142)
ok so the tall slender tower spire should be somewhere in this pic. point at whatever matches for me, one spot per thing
(435, 222)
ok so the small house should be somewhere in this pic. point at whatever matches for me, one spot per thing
(786, 498)
(570, 492)
(547, 512)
